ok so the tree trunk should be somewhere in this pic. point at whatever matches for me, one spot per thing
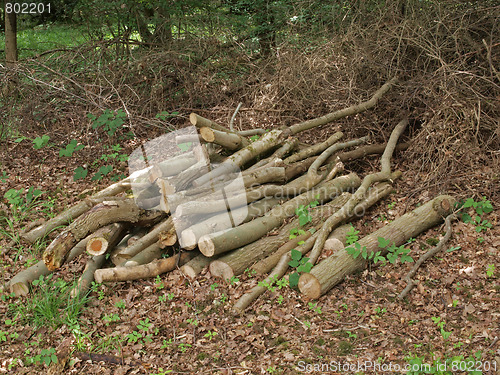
(10, 39)
(332, 270)
(230, 141)
(147, 255)
(314, 150)
(19, 284)
(119, 258)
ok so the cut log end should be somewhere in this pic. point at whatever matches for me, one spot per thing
(19, 289)
(189, 271)
(193, 118)
(333, 245)
(206, 246)
(97, 246)
(310, 285)
(207, 134)
(221, 269)
(188, 239)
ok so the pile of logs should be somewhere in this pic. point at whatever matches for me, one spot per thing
(230, 203)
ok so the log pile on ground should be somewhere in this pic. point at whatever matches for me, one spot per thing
(231, 202)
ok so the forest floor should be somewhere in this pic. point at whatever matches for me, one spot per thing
(173, 325)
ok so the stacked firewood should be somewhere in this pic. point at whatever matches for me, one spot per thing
(229, 201)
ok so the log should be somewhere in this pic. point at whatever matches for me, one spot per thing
(230, 141)
(73, 212)
(155, 268)
(147, 255)
(335, 268)
(277, 155)
(172, 167)
(85, 281)
(312, 173)
(361, 152)
(190, 236)
(145, 241)
(237, 261)
(168, 238)
(239, 158)
(100, 215)
(263, 176)
(105, 238)
(194, 267)
(361, 192)
(267, 264)
(19, 284)
(233, 238)
(200, 122)
(282, 265)
(250, 132)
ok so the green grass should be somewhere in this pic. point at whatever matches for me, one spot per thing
(38, 39)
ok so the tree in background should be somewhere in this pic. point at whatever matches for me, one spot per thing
(10, 38)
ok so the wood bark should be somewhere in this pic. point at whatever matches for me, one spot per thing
(230, 239)
(85, 281)
(194, 267)
(200, 122)
(277, 155)
(361, 192)
(172, 166)
(239, 158)
(73, 212)
(333, 270)
(10, 39)
(19, 284)
(100, 215)
(147, 255)
(237, 261)
(155, 268)
(119, 258)
(314, 150)
(282, 265)
(230, 141)
(191, 235)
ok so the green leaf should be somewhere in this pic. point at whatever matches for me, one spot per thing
(184, 146)
(294, 279)
(469, 202)
(383, 243)
(453, 249)
(304, 219)
(80, 173)
(293, 263)
(306, 267)
(296, 255)
(406, 258)
(40, 142)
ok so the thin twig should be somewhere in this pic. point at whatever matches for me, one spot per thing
(231, 123)
(427, 255)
